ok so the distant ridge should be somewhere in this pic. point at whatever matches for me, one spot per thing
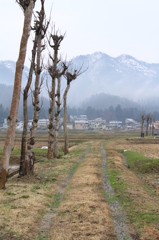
(103, 101)
(123, 76)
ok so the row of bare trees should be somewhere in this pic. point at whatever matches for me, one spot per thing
(27, 7)
(150, 124)
(56, 68)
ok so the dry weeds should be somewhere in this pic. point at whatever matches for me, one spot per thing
(27, 199)
(143, 201)
(84, 214)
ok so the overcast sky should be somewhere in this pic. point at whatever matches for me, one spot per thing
(114, 27)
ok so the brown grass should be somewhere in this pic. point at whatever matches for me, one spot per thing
(138, 198)
(27, 199)
(84, 213)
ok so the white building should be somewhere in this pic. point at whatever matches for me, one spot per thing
(97, 123)
(81, 124)
(115, 124)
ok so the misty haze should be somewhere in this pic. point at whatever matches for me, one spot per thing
(124, 76)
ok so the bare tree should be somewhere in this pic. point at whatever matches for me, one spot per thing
(37, 89)
(142, 123)
(38, 26)
(150, 124)
(58, 104)
(147, 123)
(27, 7)
(70, 75)
(54, 43)
(153, 125)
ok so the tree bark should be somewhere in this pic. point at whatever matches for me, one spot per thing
(22, 169)
(52, 106)
(58, 104)
(147, 126)
(142, 124)
(31, 141)
(66, 143)
(51, 122)
(16, 95)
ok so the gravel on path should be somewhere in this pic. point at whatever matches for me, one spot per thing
(121, 229)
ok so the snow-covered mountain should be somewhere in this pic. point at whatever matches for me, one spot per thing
(123, 76)
(7, 72)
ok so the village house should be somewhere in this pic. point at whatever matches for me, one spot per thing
(115, 124)
(157, 125)
(43, 123)
(130, 123)
(97, 123)
(81, 124)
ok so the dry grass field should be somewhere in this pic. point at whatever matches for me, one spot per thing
(65, 199)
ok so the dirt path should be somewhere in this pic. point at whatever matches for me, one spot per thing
(51, 214)
(84, 213)
(67, 200)
(119, 218)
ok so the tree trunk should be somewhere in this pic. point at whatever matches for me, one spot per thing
(142, 126)
(57, 119)
(147, 126)
(153, 129)
(51, 122)
(16, 96)
(22, 169)
(31, 141)
(52, 107)
(66, 143)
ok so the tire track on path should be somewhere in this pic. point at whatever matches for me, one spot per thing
(50, 216)
(121, 229)
(84, 213)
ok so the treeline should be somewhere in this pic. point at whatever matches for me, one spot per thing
(112, 113)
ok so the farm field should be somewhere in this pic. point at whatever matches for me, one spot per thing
(107, 187)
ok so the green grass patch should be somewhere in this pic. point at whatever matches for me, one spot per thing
(25, 196)
(112, 177)
(61, 153)
(41, 236)
(39, 150)
(10, 193)
(140, 163)
(139, 215)
(76, 152)
(36, 187)
(119, 186)
(56, 201)
(144, 217)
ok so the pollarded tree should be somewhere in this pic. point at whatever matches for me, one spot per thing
(60, 73)
(153, 125)
(27, 6)
(54, 42)
(37, 28)
(70, 75)
(147, 123)
(142, 123)
(37, 89)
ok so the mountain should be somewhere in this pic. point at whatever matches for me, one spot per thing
(122, 76)
(7, 72)
(104, 101)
